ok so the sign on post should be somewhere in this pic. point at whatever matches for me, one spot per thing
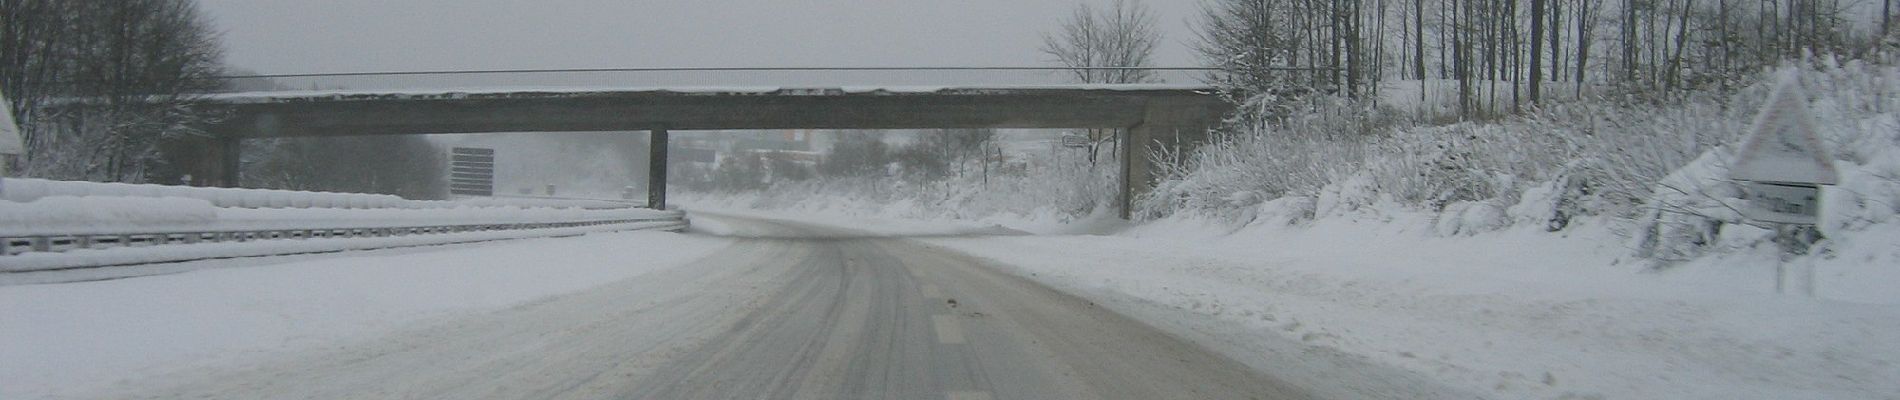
(1782, 166)
(1783, 162)
(472, 171)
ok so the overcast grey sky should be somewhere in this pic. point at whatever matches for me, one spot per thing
(299, 36)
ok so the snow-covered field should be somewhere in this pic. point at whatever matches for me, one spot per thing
(1517, 313)
(74, 338)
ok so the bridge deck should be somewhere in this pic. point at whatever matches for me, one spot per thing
(330, 113)
(1154, 115)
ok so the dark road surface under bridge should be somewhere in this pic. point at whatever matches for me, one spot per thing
(789, 311)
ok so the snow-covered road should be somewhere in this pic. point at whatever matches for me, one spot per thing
(787, 310)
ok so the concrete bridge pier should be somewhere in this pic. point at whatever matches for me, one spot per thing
(199, 161)
(656, 168)
(1172, 128)
(230, 155)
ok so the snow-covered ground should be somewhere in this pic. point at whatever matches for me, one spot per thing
(1517, 313)
(73, 338)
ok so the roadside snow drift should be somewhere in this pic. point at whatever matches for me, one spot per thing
(68, 339)
(1512, 314)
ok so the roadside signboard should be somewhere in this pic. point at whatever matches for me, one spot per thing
(472, 171)
(1783, 162)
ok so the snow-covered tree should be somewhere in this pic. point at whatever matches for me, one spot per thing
(124, 70)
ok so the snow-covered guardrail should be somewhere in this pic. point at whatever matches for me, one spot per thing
(66, 231)
(26, 190)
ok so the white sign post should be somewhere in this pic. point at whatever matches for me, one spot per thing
(10, 144)
(1782, 166)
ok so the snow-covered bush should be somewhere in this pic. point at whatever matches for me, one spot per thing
(1660, 166)
(1470, 217)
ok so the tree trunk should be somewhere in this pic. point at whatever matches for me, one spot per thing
(1537, 48)
(1682, 36)
(1584, 11)
(1461, 56)
(1629, 40)
(1418, 47)
(1555, 9)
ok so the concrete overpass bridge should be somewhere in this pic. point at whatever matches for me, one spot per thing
(1150, 116)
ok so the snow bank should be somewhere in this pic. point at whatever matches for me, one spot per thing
(1518, 313)
(67, 339)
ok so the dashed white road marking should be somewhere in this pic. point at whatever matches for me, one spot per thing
(932, 291)
(948, 330)
(968, 395)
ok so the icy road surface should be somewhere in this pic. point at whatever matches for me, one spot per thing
(789, 311)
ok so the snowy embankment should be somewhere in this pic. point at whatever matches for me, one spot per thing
(1517, 313)
(71, 339)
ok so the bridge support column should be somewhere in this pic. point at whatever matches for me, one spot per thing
(229, 152)
(1135, 168)
(198, 161)
(656, 168)
(1173, 128)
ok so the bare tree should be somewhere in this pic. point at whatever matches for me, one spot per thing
(1248, 40)
(1122, 35)
(126, 68)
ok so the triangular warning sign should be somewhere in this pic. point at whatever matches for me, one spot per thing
(1783, 146)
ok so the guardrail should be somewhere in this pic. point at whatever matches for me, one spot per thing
(20, 244)
(54, 225)
(30, 253)
(26, 190)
